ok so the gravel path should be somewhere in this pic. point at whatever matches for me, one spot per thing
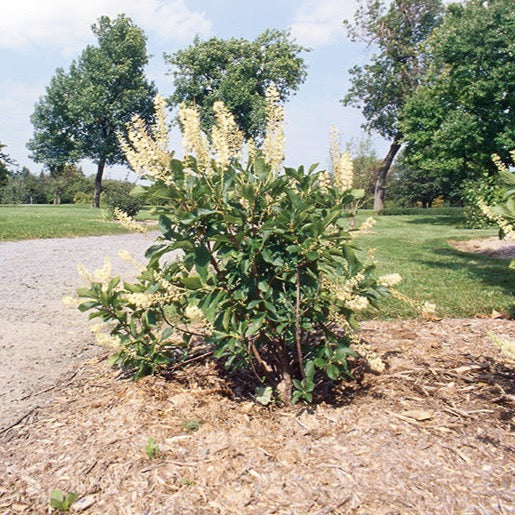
(41, 340)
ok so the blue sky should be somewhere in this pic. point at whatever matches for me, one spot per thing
(37, 36)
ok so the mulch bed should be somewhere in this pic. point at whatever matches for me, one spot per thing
(433, 434)
(491, 247)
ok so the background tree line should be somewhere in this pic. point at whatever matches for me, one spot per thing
(439, 86)
(67, 185)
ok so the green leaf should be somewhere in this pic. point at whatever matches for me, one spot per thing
(309, 369)
(202, 259)
(114, 359)
(227, 318)
(264, 286)
(167, 333)
(154, 249)
(332, 372)
(296, 396)
(164, 224)
(254, 327)
(88, 305)
(115, 281)
(232, 219)
(85, 292)
(150, 317)
(267, 255)
(342, 353)
(192, 282)
(320, 362)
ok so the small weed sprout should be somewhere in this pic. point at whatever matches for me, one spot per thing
(62, 501)
(151, 449)
(265, 395)
(192, 424)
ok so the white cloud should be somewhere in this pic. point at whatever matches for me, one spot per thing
(65, 24)
(320, 22)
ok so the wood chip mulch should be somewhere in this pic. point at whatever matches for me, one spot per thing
(433, 434)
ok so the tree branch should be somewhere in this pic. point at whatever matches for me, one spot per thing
(298, 329)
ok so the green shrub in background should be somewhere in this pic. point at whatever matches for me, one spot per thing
(118, 196)
(430, 211)
(81, 197)
(255, 265)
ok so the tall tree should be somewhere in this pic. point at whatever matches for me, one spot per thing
(84, 109)
(365, 163)
(5, 163)
(237, 72)
(465, 111)
(381, 87)
(54, 142)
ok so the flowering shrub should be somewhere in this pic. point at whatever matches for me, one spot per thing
(255, 266)
(503, 212)
(487, 190)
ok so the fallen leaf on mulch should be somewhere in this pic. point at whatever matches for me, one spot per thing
(494, 315)
(84, 503)
(468, 368)
(419, 414)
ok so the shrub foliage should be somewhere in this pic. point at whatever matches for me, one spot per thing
(117, 196)
(255, 265)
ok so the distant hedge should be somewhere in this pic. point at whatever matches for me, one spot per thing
(432, 211)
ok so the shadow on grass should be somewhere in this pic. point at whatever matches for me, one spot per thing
(491, 271)
(457, 221)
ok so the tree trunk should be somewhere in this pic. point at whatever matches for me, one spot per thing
(285, 386)
(98, 182)
(380, 191)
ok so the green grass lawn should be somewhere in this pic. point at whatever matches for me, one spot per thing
(461, 284)
(416, 246)
(22, 222)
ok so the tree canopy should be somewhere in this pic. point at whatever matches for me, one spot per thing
(238, 73)
(53, 142)
(85, 108)
(381, 87)
(409, 186)
(463, 113)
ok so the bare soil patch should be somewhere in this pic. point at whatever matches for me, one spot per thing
(433, 434)
(492, 247)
